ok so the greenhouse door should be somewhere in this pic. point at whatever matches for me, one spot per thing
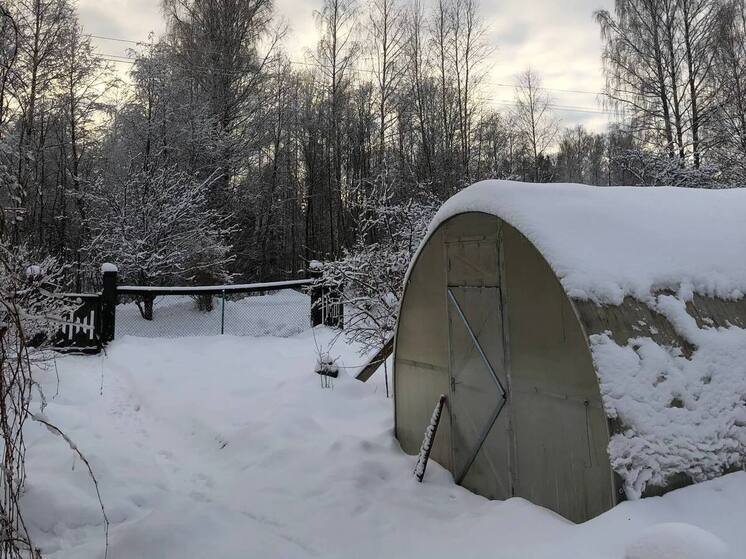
(478, 398)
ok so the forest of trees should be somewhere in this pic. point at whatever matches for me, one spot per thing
(219, 157)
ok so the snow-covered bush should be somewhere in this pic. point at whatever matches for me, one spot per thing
(159, 229)
(30, 313)
(28, 289)
(372, 272)
(651, 168)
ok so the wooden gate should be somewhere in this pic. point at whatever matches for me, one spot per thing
(81, 330)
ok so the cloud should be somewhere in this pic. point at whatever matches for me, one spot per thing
(556, 38)
(299, 15)
(127, 19)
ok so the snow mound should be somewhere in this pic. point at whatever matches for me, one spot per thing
(676, 540)
(605, 243)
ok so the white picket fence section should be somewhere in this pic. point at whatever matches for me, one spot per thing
(80, 324)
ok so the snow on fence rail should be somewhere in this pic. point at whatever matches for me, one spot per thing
(256, 309)
(215, 289)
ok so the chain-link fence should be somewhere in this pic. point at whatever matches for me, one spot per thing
(236, 311)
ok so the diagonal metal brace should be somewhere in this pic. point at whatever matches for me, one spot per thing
(482, 438)
(496, 412)
(476, 342)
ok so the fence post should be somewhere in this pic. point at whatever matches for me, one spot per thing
(222, 313)
(327, 307)
(317, 293)
(108, 302)
(335, 307)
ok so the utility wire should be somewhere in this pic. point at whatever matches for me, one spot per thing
(502, 102)
(115, 39)
(115, 58)
(367, 70)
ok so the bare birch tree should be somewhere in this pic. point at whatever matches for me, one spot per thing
(658, 58)
(535, 122)
(336, 53)
(387, 29)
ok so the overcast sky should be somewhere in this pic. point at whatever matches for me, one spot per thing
(557, 38)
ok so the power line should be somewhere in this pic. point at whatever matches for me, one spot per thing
(555, 106)
(115, 39)
(117, 61)
(515, 86)
(111, 55)
(366, 70)
(502, 102)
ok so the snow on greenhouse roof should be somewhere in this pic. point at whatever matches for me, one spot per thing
(605, 243)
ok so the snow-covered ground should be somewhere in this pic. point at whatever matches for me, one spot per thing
(229, 447)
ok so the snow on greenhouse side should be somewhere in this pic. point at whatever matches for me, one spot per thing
(605, 243)
(680, 415)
